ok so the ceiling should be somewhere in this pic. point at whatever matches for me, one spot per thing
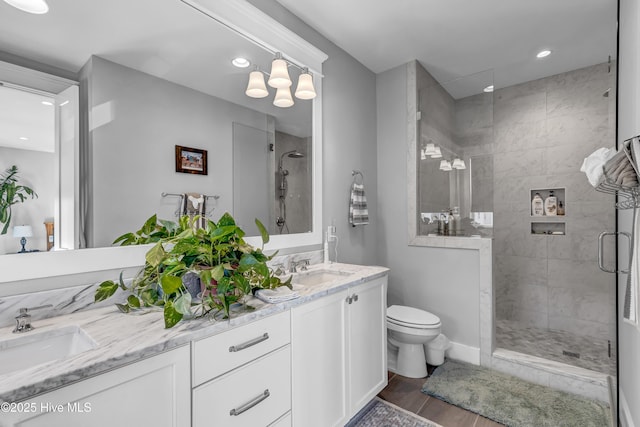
(458, 38)
(167, 39)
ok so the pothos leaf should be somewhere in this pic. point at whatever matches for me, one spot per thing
(182, 304)
(170, 284)
(171, 315)
(263, 232)
(105, 290)
(133, 301)
(155, 255)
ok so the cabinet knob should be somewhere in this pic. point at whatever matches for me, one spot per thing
(355, 297)
(349, 300)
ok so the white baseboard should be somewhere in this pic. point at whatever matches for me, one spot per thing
(626, 420)
(464, 353)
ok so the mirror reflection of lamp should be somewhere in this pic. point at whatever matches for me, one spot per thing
(22, 231)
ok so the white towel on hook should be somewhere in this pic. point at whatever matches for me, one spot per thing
(274, 296)
(358, 211)
(593, 165)
(195, 204)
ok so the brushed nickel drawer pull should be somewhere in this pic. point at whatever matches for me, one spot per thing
(249, 343)
(253, 402)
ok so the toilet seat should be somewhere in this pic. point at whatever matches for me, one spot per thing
(412, 317)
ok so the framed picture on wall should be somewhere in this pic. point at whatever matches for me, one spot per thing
(191, 160)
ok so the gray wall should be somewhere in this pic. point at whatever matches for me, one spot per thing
(442, 281)
(349, 139)
(543, 130)
(141, 119)
(628, 126)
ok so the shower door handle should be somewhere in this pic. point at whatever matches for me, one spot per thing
(601, 250)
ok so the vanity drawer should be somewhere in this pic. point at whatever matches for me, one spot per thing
(221, 353)
(258, 393)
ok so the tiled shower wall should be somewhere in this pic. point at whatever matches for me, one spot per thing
(542, 132)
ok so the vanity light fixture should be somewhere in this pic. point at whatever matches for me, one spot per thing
(445, 165)
(488, 89)
(283, 98)
(37, 7)
(240, 62)
(256, 87)
(280, 80)
(458, 164)
(543, 54)
(279, 77)
(437, 154)
(430, 149)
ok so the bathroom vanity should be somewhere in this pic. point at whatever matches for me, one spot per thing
(312, 361)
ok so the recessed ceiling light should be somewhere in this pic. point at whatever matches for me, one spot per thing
(488, 89)
(49, 103)
(24, 138)
(543, 54)
(241, 62)
(31, 6)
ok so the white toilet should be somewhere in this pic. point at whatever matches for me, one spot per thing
(408, 329)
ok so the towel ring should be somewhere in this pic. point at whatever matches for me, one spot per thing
(354, 174)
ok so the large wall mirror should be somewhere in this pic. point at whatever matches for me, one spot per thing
(146, 90)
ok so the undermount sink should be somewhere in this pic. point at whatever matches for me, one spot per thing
(35, 348)
(319, 276)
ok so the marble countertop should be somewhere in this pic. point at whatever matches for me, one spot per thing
(127, 338)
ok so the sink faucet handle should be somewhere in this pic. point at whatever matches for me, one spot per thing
(279, 268)
(302, 263)
(24, 310)
(23, 320)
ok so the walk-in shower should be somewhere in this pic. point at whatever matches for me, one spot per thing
(283, 187)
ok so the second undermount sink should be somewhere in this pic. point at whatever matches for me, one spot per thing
(317, 277)
(34, 348)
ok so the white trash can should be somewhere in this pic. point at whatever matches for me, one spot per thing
(435, 350)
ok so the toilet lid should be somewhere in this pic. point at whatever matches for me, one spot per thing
(411, 316)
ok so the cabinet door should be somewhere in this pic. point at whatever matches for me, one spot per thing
(318, 351)
(153, 392)
(367, 342)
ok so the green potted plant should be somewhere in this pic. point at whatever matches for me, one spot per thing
(10, 194)
(227, 266)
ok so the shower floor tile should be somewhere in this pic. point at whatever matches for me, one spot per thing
(550, 344)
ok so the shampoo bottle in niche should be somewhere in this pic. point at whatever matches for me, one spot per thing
(537, 205)
(551, 205)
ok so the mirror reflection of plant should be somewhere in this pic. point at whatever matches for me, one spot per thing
(228, 268)
(10, 194)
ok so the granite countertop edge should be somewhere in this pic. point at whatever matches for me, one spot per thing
(147, 336)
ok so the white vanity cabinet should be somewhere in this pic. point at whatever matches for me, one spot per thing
(242, 377)
(338, 354)
(153, 392)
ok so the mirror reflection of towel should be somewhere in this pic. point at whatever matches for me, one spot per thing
(195, 204)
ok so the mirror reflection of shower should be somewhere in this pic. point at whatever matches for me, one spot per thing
(283, 186)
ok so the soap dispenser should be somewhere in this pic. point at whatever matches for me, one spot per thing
(537, 205)
(551, 205)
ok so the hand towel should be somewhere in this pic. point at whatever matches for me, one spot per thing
(195, 204)
(630, 308)
(358, 211)
(593, 165)
(273, 296)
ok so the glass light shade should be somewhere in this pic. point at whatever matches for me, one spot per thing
(445, 165)
(22, 231)
(305, 89)
(37, 7)
(430, 150)
(283, 98)
(458, 164)
(423, 155)
(437, 154)
(279, 77)
(256, 87)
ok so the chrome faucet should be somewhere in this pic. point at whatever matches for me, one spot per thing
(301, 263)
(23, 320)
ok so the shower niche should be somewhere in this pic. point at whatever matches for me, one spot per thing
(551, 221)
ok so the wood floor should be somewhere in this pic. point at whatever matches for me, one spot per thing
(406, 393)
